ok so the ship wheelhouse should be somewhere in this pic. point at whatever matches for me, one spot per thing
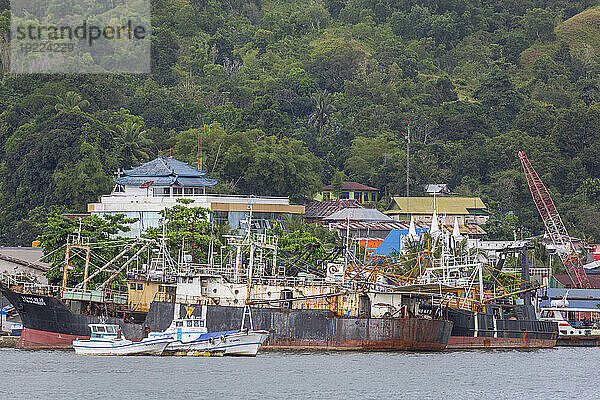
(573, 321)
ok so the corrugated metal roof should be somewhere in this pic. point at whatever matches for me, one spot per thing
(470, 229)
(352, 186)
(27, 256)
(164, 166)
(445, 205)
(374, 226)
(358, 214)
(578, 298)
(321, 209)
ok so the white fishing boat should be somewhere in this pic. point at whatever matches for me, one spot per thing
(190, 336)
(106, 340)
(576, 326)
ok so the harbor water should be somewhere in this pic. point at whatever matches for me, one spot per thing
(541, 374)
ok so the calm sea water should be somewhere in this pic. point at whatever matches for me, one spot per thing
(542, 374)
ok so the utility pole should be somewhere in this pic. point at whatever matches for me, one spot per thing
(199, 144)
(407, 168)
(199, 150)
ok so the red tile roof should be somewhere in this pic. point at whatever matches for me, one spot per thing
(353, 186)
(322, 209)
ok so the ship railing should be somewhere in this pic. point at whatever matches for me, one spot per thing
(290, 281)
(242, 276)
(537, 271)
(458, 302)
(16, 279)
(202, 269)
(184, 299)
(98, 296)
(8, 279)
(40, 289)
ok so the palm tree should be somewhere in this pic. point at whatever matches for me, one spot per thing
(322, 109)
(71, 101)
(133, 140)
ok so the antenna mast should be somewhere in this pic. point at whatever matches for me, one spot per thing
(407, 169)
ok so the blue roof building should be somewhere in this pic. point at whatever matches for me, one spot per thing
(165, 176)
(144, 191)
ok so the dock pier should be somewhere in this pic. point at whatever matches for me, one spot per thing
(8, 341)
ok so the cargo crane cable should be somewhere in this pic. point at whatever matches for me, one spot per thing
(554, 225)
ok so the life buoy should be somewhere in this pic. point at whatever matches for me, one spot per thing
(332, 269)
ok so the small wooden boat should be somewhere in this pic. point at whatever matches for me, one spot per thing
(106, 340)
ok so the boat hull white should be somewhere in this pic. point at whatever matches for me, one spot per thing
(243, 343)
(119, 348)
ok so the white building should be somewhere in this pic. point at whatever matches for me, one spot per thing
(143, 192)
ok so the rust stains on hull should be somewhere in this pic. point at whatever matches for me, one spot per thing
(579, 341)
(325, 330)
(465, 342)
(354, 345)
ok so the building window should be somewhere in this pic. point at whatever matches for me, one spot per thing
(345, 195)
(162, 191)
(221, 217)
(358, 196)
(188, 191)
(373, 196)
(326, 196)
(198, 190)
(177, 191)
(140, 286)
(132, 286)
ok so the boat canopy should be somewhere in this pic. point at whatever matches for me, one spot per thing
(104, 330)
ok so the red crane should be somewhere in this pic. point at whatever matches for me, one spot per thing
(554, 225)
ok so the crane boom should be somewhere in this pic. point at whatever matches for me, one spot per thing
(554, 225)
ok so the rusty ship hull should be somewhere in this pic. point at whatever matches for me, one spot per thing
(48, 323)
(292, 329)
(483, 330)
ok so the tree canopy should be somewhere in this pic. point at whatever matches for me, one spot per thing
(287, 95)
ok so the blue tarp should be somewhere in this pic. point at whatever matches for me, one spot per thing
(212, 335)
(393, 241)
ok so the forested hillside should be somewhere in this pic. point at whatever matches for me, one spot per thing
(288, 92)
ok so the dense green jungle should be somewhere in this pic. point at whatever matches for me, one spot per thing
(289, 95)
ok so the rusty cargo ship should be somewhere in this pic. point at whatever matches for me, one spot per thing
(486, 313)
(300, 312)
(50, 323)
